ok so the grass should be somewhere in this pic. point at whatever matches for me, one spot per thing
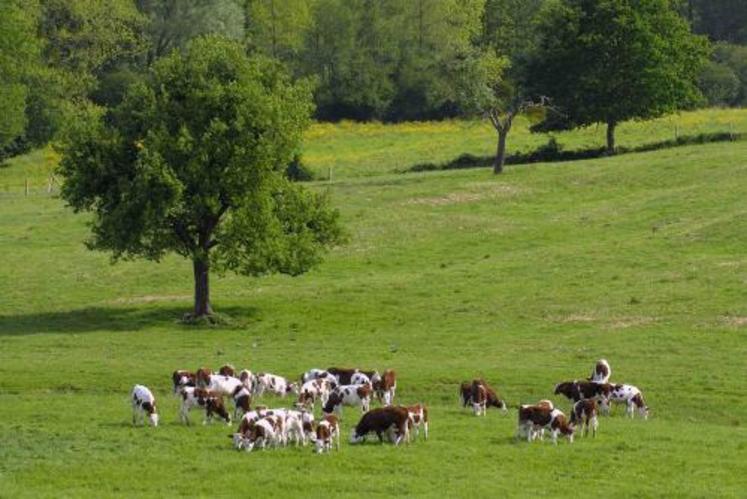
(355, 150)
(526, 279)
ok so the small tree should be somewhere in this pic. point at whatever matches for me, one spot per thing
(607, 61)
(192, 162)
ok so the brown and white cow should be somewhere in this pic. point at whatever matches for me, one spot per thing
(266, 431)
(273, 383)
(629, 395)
(348, 395)
(386, 386)
(181, 378)
(327, 432)
(211, 401)
(389, 420)
(601, 372)
(242, 399)
(585, 413)
(580, 390)
(313, 390)
(469, 391)
(533, 418)
(418, 415)
(344, 376)
(202, 377)
(143, 402)
(227, 370)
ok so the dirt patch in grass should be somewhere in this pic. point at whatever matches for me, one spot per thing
(735, 320)
(577, 317)
(150, 299)
(627, 322)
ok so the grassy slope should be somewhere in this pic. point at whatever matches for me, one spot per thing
(525, 279)
(351, 149)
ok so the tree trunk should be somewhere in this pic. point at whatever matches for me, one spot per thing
(500, 155)
(611, 125)
(202, 288)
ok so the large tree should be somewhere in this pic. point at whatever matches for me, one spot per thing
(19, 57)
(607, 61)
(192, 162)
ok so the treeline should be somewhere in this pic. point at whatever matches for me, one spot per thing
(388, 60)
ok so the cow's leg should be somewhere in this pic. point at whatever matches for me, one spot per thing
(555, 437)
(594, 425)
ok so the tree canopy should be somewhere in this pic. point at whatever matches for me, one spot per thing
(192, 162)
(607, 61)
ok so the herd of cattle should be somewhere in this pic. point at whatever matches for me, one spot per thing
(334, 388)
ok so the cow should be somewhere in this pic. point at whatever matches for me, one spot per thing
(629, 395)
(318, 374)
(202, 377)
(533, 418)
(212, 402)
(418, 415)
(344, 376)
(143, 402)
(360, 379)
(274, 384)
(380, 421)
(479, 398)
(584, 413)
(313, 390)
(248, 380)
(601, 372)
(227, 370)
(181, 378)
(386, 387)
(578, 390)
(242, 399)
(327, 432)
(349, 395)
(268, 430)
(488, 397)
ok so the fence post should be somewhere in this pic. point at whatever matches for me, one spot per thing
(26, 186)
(676, 133)
(329, 174)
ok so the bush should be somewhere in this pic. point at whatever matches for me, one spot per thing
(735, 57)
(297, 171)
(719, 84)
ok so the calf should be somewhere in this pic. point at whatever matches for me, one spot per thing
(143, 402)
(386, 387)
(266, 431)
(211, 401)
(242, 399)
(534, 417)
(381, 420)
(181, 378)
(360, 378)
(418, 415)
(584, 412)
(465, 393)
(601, 372)
(479, 398)
(344, 376)
(580, 390)
(629, 395)
(327, 431)
(274, 384)
(491, 398)
(248, 380)
(313, 390)
(227, 370)
(349, 395)
(317, 374)
(202, 377)
(225, 385)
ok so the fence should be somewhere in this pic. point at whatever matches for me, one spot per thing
(31, 187)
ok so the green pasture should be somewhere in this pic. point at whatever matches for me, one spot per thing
(525, 278)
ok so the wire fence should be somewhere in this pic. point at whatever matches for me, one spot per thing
(31, 187)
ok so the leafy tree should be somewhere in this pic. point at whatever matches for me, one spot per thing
(192, 161)
(719, 84)
(735, 58)
(721, 20)
(607, 61)
(19, 57)
(172, 23)
(278, 27)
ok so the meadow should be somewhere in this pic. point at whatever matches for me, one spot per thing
(525, 278)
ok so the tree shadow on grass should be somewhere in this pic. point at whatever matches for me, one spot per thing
(95, 319)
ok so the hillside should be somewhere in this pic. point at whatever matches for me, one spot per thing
(526, 279)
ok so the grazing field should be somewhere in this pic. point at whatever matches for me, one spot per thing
(354, 150)
(525, 279)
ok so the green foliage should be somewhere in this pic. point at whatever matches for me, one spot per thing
(193, 160)
(19, 58)
(719, 84)
(172, 23)
(277, 28)
(721, 20)
(607, 61)
(735, 58)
